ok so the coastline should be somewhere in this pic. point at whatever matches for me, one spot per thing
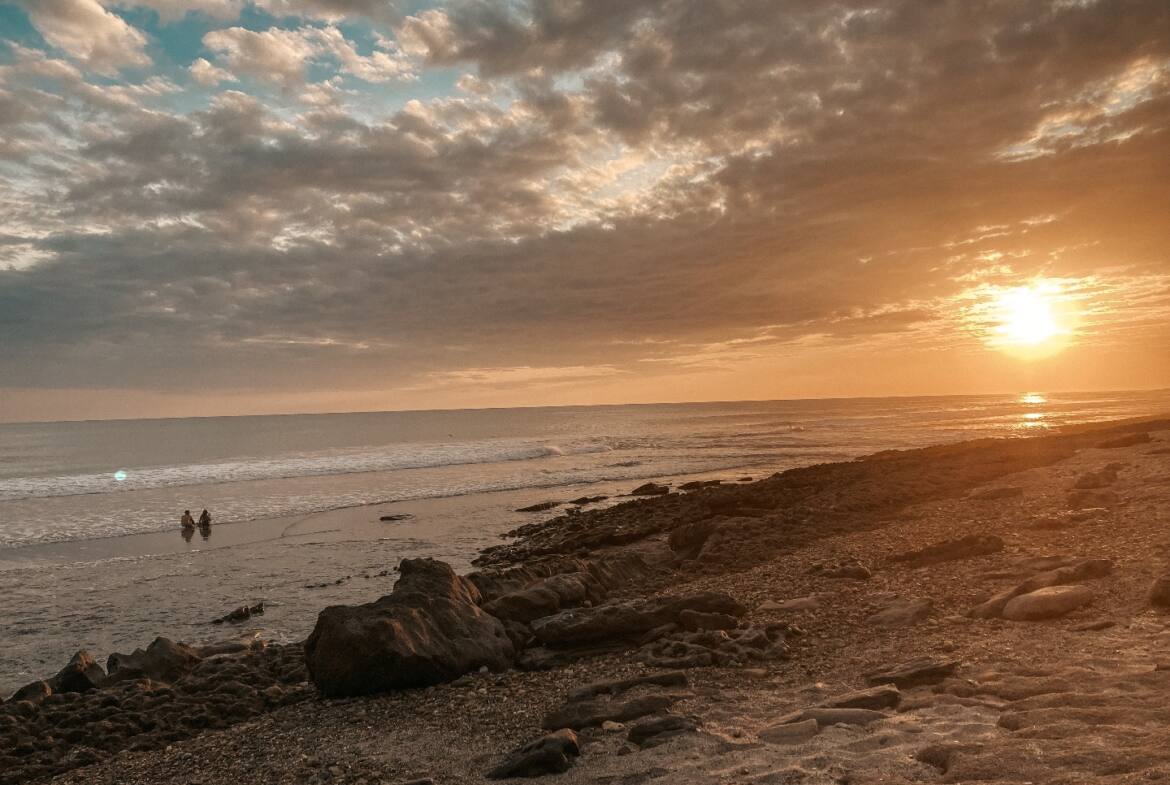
(163, 585)
(770, 534)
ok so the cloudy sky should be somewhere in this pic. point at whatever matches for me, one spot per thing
(236, 206)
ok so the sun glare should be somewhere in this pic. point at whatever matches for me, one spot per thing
(1028, 320)
(1026, 317)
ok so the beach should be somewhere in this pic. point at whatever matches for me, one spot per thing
(839, 571)
(90, 561)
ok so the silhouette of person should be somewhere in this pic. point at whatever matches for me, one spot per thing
(187, 521)
(205, 518)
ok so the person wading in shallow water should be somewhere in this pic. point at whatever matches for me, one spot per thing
(188, 521)
(205, 525)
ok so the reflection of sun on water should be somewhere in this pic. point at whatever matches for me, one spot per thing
(1033, 419)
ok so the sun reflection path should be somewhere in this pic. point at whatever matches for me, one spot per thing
(1033, 419)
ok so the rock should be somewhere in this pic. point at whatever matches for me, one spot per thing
(399, 517)
(588, 714)
(33, 693)
(914, 673)
(951, 550)
(826, 716)
(1083, 499)
(690, 538)
(649, 733)
(790, 732)
(244, 612)
(1160, 592)
(901, 613)
(547, 596)
(657, 633)
(163, 660)
(627, 620)
(210, 650)
(667, 679)
(430, 629)
(525, 605)
(1085, 569)
(1130, 440)
(1047, 603)
(650, 489)
(882, 696)
(609, 726)
(696, 620)
(995, 494)
(82, 674)
(582, 500)
(549, 754)
(695, 485)
(541, 507)
(1094, 626)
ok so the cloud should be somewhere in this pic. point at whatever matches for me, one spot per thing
(628, 192)
(207, 74)
(88, 33)
(281, 56)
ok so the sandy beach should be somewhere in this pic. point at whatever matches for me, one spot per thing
(844, 571)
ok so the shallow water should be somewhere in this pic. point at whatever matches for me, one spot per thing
(89, 560)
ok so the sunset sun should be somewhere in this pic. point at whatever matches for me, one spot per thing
(1030, 320)
(1026, 317)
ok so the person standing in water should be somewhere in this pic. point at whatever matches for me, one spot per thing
(188, 521)
(204, 519)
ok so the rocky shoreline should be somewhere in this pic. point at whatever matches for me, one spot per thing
(930, 612)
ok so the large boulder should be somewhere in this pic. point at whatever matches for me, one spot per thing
(1047, 603)
(33, 693)
(82, 674)
(430, 629)
(163, 660)
(627, 620)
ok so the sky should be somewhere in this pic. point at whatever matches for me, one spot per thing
(245, 206)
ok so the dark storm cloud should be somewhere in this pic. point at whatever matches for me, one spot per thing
(797, 169)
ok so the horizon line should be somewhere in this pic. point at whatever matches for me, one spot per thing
(582, 405)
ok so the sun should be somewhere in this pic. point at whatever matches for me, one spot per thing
(1026, 317)
(1030, 320)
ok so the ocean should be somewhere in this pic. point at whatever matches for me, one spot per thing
(95, 479)
(90, 552)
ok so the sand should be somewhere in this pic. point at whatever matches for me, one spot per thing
(1076, 699)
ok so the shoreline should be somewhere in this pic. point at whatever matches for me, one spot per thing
(760, 551)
